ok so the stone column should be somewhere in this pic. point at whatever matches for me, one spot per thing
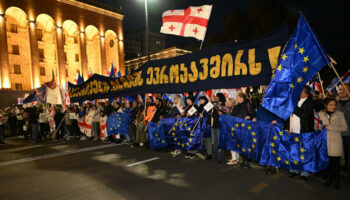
(4, 59)
(83, 55)
(121, 47)
(103, 55)
(34, 55)
(60, 56)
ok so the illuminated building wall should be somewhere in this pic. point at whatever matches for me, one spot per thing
(63, 36)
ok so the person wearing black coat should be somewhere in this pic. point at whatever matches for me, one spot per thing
(302, 121)
(33, 120)
(159, 113)
(60, 124)
(218, 154)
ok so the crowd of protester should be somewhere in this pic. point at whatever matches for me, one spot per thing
(40, 123)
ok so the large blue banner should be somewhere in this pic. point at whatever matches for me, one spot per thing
(231, 65)
(118, 123)
(269, 144)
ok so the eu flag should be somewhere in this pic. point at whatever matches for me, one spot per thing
(117, 123)
(301, 59)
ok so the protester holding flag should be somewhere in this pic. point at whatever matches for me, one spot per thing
(190, 106)
(33, 120)
(206, 134)
(140, 127)
(302, 121)
(344, 106)
(214, 123)
(60, 124)
(334, 121)
(243, 110)
(177, 110)
(43, 123)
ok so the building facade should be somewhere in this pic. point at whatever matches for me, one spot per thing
(134, 64)
(38, 37)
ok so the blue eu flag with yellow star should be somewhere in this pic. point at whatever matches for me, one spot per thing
(118, 123)
(301, 59)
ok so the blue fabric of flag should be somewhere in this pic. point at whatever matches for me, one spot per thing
(156, 136)
(118, 123)
(269, 144)
(183, 134)
(301, 59)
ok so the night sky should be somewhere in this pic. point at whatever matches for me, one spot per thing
(328, 19)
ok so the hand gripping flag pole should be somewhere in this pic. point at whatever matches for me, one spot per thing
(336, 73)
(187, 113)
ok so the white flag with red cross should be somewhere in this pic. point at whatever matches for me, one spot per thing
(191, 22)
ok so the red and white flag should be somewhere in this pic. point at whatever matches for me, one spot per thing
(191, 22)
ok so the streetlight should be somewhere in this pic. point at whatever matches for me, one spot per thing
(147, 31)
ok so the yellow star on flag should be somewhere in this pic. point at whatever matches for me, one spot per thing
(279, 68)
(191, 134)
(254, 140)
(253, 133)
(274, 137)
(291, 85)
(295, 162)
(243, 125)
(189, 129)
(188, 144)
(278, 158)
(233, 129)
(272, 144)
(158, 139)
(280, 133)
(249, 149)
(163, 141)
(243, 150)
(173, 129)
(178, 143)
(253, 146)
(249, 127)
(182, 145)
(296, 139)
(287, 162)
(301, 50)
(301, 157)
(274, 151)
(190, 139)
(300, 79)
(238, 145)
(305, 69)
(284, 56)
(302, 150)
(306, 58)
(232, 134)
(175, 139)
(295, 46)
(156, 135)
(237, 125)
(173, 134)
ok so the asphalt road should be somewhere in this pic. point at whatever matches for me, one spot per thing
(95, 170)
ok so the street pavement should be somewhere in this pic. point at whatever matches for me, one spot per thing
(95, 170)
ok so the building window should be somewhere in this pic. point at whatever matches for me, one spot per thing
(13, 28)
(41, 55)
(15, 49)
(18, 86)
(39, 34)
(66, 72)
(17, 69)
(76, 57)
(76, 40)
(42, 71)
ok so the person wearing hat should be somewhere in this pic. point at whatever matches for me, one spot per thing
(190, 104)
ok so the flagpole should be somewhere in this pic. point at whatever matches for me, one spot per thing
(321, 82)
(336, 73)
(200, 48)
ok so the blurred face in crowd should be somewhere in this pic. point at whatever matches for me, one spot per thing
(342, 91)
(239, 99)
(128, 105)
(331, 106)
(134, 104)
(116, 106)
(189, 102)
(228, 103)
(202, 101)
(303, 94)
(157, 102)
(148, 100)
(176, 100)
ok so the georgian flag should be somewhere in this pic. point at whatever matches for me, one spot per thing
(191, 22)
